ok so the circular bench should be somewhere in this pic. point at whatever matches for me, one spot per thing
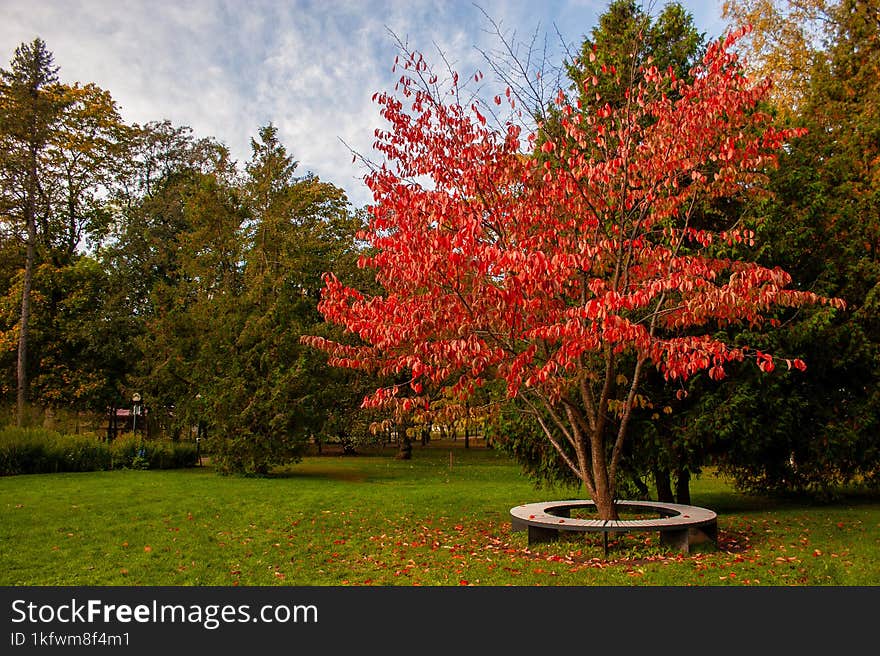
(679, 525)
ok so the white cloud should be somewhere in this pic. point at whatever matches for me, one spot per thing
(227, 67)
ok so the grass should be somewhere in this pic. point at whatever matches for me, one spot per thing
(372, 520)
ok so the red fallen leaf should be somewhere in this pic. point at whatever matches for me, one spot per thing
(338, 541)
(148, 548)
(279, 575)
(463, 582)
(839, 524)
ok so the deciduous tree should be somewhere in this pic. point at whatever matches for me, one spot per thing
(784, 41)
(552, 273)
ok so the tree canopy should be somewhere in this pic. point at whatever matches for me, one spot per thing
(548, 271)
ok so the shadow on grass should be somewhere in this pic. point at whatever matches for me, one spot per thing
(742, 503)
(342, 474)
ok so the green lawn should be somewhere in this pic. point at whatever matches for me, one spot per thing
(373, 520)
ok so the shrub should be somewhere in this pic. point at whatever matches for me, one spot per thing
(133, 452)
(39, 451)
(42, 451)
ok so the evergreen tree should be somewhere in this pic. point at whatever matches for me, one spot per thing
(30, 101)
(817, 431)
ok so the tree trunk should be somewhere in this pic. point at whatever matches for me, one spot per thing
(404, 451)
(644, 491)
(24, 325)
(467, 425)
(664, 486)
(682, 487)
(604, 501)
(603, 484)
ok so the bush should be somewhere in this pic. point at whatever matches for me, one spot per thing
(42, 451)
(133, 452)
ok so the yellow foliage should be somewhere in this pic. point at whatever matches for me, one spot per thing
(783, 44)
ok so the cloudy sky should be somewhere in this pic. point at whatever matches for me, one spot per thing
(227, 67)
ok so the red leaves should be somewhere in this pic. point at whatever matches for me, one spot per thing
(716, 373)
(500, 263)
(765, 363)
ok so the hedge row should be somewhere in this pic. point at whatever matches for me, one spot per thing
(40, 451)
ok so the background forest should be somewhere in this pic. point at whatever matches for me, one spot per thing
(140, 259)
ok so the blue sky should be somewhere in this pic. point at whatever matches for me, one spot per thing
(227, 67)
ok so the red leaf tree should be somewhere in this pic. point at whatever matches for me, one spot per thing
(566, 261)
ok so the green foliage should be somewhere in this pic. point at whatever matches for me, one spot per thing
(222, 312)
(60, 145)
(132, 451)
(255, 454)
(517, 433)
(818, 430)
(42, 451)
(626, 38)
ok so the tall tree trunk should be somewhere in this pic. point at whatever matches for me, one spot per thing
(24, 325)
(21, 369)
